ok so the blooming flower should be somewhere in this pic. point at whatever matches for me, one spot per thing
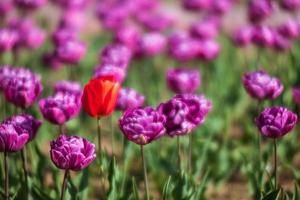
(105, 70)
(70, 87)
(262, 86)
(128, 98)
(117, 55)
(72, 152)
(296, 95)
(142, 125)
(259, 10)
(275, 122)
(100, 96)
(183, 80)
(71, 51)
(243, 36)
(8, 39)
(151, 44)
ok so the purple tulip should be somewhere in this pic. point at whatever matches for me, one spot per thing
(12, 138)
(142, 125)
(72, 4)
(71, 52)
(5, 7)
(52, 61)
(73, 19)
(117, 55)
(184, 49)
(156, 21)
(275, 122)
(60, 108)
(198, 107)
(290, 29)
(221, 7)
(63, 35)
(69, 87)
(183, 80)
(209, 50)
(281, 43)
(33, 39)
(128, 36)
(151, 44)
(30, 4)
(26, 123)
(291, 5)
(296, 95)
(128, 98)
(7, 73)
(204, 30)
(263, 36)
(258, 10)
(243, 36)
(72, 152)
(23, 91)
(196, 5)
(110, 70)
(261, 85)
(176, 113)
(8, 39)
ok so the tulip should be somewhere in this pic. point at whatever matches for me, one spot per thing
(73, 19)
(263, 36)
(196, 5)
(156, 21)
(30, 4)
(72, 4)
(116, 54)
(183, 80)
(258, 10)
(71, 153)
(204, 30)
(63, 35)
(262, 86)
(128, 98)
(69, 87)
(281, 43)
(243, 36)
(142, 126)
(221, 7)
(51, 60)
(275, 122)
(99, 99)
(105, 70)
(5, 7)
(128, 36)
(151, 44)
(33, 39)
(209, 50)
(8, 39)
(71, 52)
(290, 5)
(296, 95)
(290, 29)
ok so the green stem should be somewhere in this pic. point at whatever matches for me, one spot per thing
(61, 129)
(112, 134)
(275, 162)
(25, 170)
(6, 180)
(178, 154)
(145, 173)
(64, 185)
(190, 153)
(99, 138)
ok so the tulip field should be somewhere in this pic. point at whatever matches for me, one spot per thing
(149, 99)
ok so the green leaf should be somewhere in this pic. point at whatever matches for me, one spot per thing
(83, 185)
(113, 178)
(184, 188)
(202, 187)
(296, 192)
(38, 193)
(166, 189)
(272, 195)
(135, 190)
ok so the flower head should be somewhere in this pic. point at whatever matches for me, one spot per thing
(72, 152)
(275, 122)
(142, 125)
(129, 98)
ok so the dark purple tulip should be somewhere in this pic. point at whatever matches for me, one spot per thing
(33, 38)
(178, 36)
(69, 87)
(184, 49)
(12, 138)
(26, 123)
(151, 44)
(63, 35)
(258, 10)
(243, 36)
(275, 122)
(73, 19)
(221, 7)
(128, 36)
(198, 107)
(52, 61)
(176, 113)
(71, 52)
(30, 4)
(8, 39)
(209, 50)
(263, 36)
(60, 108)
(281, 43)
(5, 7)
(72, 152)
(8, 73)
(142, 125)
(72, 4)
(296, 95)
(145, 5)
(204, 30)
(128, 98)
(183, 80)
(21, 25)
(261, 85)
(117, 55)
(291, 5)
(196, 5)
(23, 91)
(156, 21)
(104, 70)
(290, 29)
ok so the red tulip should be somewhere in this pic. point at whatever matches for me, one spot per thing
(100, 96)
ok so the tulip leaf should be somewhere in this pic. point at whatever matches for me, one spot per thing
(272, 195)
(296, 192)
(113, 180)
(135, 190)
(166, 189)
(83, 184)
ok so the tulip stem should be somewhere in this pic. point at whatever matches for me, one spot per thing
(99, 137)
(275, 162)
(112, 134)
(178, 154)
(25, 169)
(61, 129)
(190, 153)
(64, 185)
(6, 181)
(145, 173)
